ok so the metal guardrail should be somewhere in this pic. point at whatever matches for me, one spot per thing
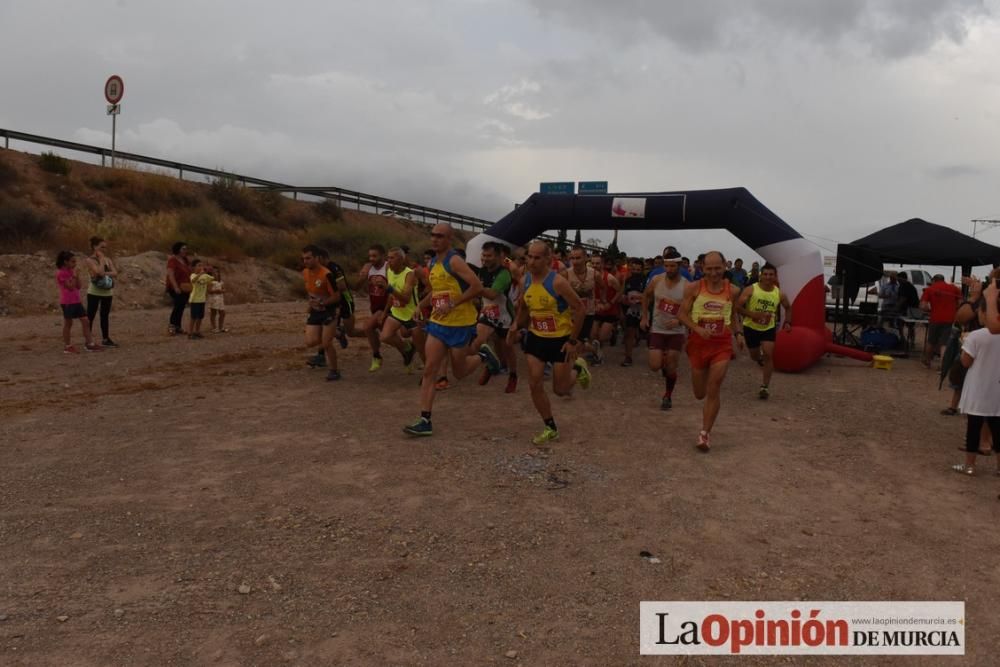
(378, 204)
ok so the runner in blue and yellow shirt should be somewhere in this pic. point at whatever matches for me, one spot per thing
(553, 314)
(452, 326)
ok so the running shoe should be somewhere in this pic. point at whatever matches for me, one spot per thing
(441, 384)
(107, 342)
(598, 359)
(317, 361)
(627, 362)
(408, 356)
(490, 358)
(93, 347)
(70, 349)
(547, 371)
(333, 376)
(703, 441)
(376, 364)
(546, 436)
(419, 427)
(342, 338)
(764, 392)
(582, 374)
(485, 377)
(511, 385)
(666, 403)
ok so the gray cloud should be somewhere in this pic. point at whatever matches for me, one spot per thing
(889, 28)
(955, 171)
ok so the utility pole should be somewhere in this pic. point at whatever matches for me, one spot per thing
(986, 223)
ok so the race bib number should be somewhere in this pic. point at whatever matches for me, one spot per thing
(491, 311)
(546, 324)
(588, 305)
(714, 327)
(441, 300)
(669, 307)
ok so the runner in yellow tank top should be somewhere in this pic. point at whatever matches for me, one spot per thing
(398, 317)
(452, 326)
(553, 315)
(707, 311)
(759, 305)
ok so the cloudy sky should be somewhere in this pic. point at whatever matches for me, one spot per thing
(842, 116)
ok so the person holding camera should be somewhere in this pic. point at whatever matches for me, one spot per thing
(100, 291)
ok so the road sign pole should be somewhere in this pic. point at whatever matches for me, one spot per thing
(114, 90)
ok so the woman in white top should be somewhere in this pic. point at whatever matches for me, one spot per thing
(980, 400)
(100, 290)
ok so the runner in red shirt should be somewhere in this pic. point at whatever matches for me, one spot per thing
(607, 312)
(941, 300)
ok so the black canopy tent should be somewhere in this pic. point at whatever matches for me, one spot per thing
(914, 241)
(917, 241)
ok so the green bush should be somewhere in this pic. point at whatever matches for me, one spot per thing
(53, 163)
(203, 231)
(20, 222)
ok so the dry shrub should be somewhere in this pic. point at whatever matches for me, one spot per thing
(329, 210)
(234, 198)
(204, 232)
(8, 173)
(54, 164)
(146, 192)
(300, 217)
(21, 223)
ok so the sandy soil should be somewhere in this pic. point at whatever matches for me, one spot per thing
(142, 489)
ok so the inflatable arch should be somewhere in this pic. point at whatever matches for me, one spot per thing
(800, 266)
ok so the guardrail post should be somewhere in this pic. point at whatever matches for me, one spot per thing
(359, 201)
(102, 158)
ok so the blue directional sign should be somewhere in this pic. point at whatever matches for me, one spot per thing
(592, 188)
(562, 188)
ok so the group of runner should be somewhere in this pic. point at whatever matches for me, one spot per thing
(560, 315)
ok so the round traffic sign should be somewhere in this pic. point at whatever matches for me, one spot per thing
(114, 89)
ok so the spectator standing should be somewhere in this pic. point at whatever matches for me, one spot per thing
(178, 285)
(907, 301)
(940, 300)
(100, 291)
(738, 274)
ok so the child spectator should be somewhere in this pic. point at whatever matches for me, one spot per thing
(217, 302)
(72, 308)
(200, 281)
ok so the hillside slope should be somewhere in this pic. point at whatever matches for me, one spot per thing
(48, 203)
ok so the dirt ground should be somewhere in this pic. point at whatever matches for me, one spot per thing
(178, 502)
